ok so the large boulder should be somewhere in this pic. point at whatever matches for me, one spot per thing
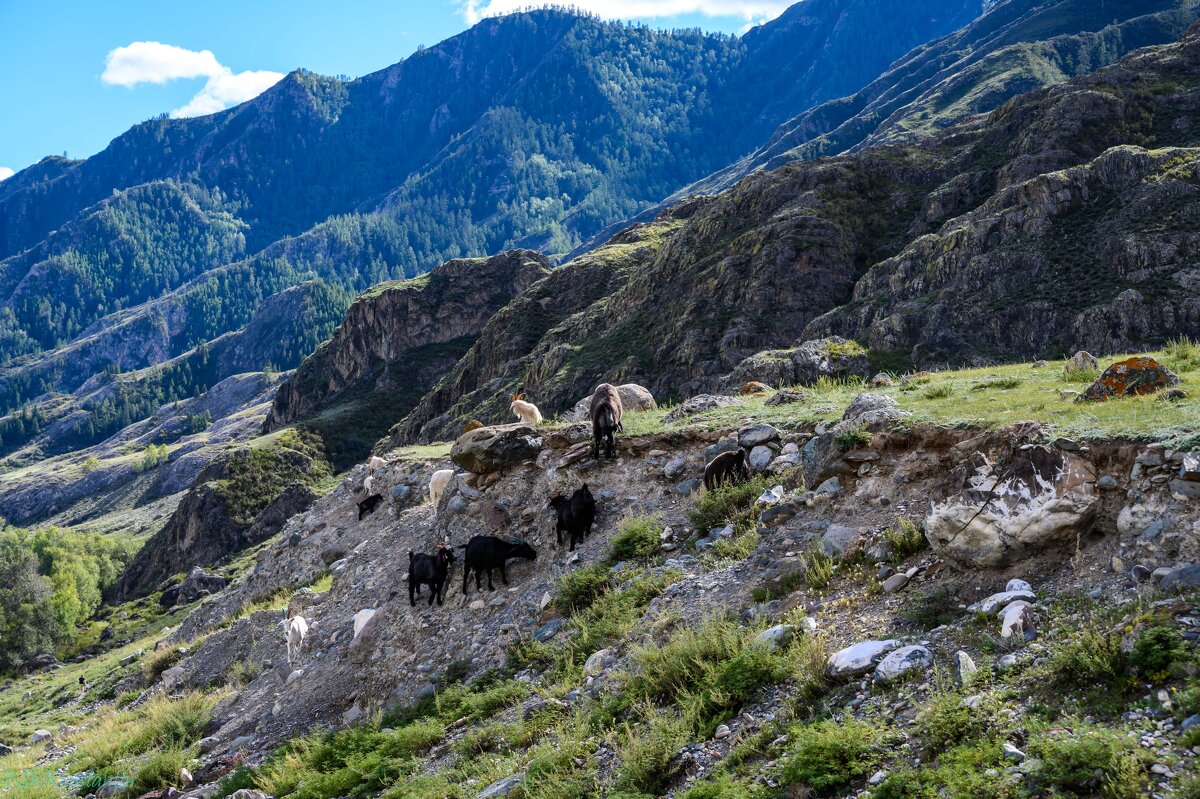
(633, 398)
(824, 455)
(197, 584)
(1129, 378)
(856, 660)
(699, 404)
(804, 364)
(490, 449)
(996, 514)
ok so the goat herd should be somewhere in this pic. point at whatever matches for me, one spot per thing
(576, 514)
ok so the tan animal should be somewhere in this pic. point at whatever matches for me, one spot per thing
(527, 412)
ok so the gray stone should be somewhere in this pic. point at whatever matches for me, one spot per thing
(1107, 483)
(633, 398)
(674, 468)
(901, 662)
(856, 660)
(1190, 469)
(40, 737)
(689, 486)
(489, 449)
(1140, 573)
(894, 583)
(1018, 585)
(548, 630)
(787, 396)
(760, 458)
(700, 404)
(776, 637)
(597, 662)
(1182, 579)
(757, 435)
(994, 602)
(502, 787)
(1012, 753)
(1188, 489)
(965, 669)
(401, 492)
(840, 540)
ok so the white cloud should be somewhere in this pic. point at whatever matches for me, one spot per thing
(759, 10)
(6, 172)
(155, 62)
(229, 89)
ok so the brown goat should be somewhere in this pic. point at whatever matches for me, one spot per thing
(728, 467)
(606, 413)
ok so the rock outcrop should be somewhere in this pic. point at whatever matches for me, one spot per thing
(996, 513)
(396, 342)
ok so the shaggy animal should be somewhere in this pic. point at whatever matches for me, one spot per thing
(437, 485)
(606, 412)
(728, 467)
(474, 424)
(432, 570)
(575, 515)
(754, 389)
(527, 412)
(375, 462)
(368, 506)
(295, 628)
(486, 552)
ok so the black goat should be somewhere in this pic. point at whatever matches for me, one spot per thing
(575, 515)
(432, 570)
(486, 552)
(728, 467)
(368, 506)
(606, 412)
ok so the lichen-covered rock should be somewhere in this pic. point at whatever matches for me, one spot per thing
(804, 364)
(1129, 378)
(998, 514)
(901, 662)
(1082, 361)
(491, 449)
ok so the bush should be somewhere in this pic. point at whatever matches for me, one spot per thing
(723, 787)
(728, 504)
(158, 661)
(1073, 760)
(906, 538)
(1155, 651)
(945, 722)
(853, 439)
(579, 589)
(646, 754)
(637, 537)
(818, 568)
(832, 753)
(160, 770)
(938, 392)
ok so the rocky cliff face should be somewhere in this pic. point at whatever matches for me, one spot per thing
(396, 342)
(1033, 231)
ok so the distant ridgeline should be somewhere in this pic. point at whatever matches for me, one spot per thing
(534, 130)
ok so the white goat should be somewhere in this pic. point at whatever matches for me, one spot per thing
(437, 485)
(527, 412)
(375, 462)
(295, 629)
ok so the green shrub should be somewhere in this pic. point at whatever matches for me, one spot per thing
(906, 538)
(998, 384)
(1071, 761)
(637, 538)
(818, 568)
(722, 787)
(728, 504)
(832, 753)
(160, 770)
(646, 754)
(945, 722)
(579, 589)
(938, 392)
(852, 439)
(1155, 651)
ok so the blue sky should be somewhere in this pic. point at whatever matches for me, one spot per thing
(75, 74)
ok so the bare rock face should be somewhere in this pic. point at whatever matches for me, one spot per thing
(491, 449)
(1132, 377)
(999, 513)
(399, 339)
(198, 583)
